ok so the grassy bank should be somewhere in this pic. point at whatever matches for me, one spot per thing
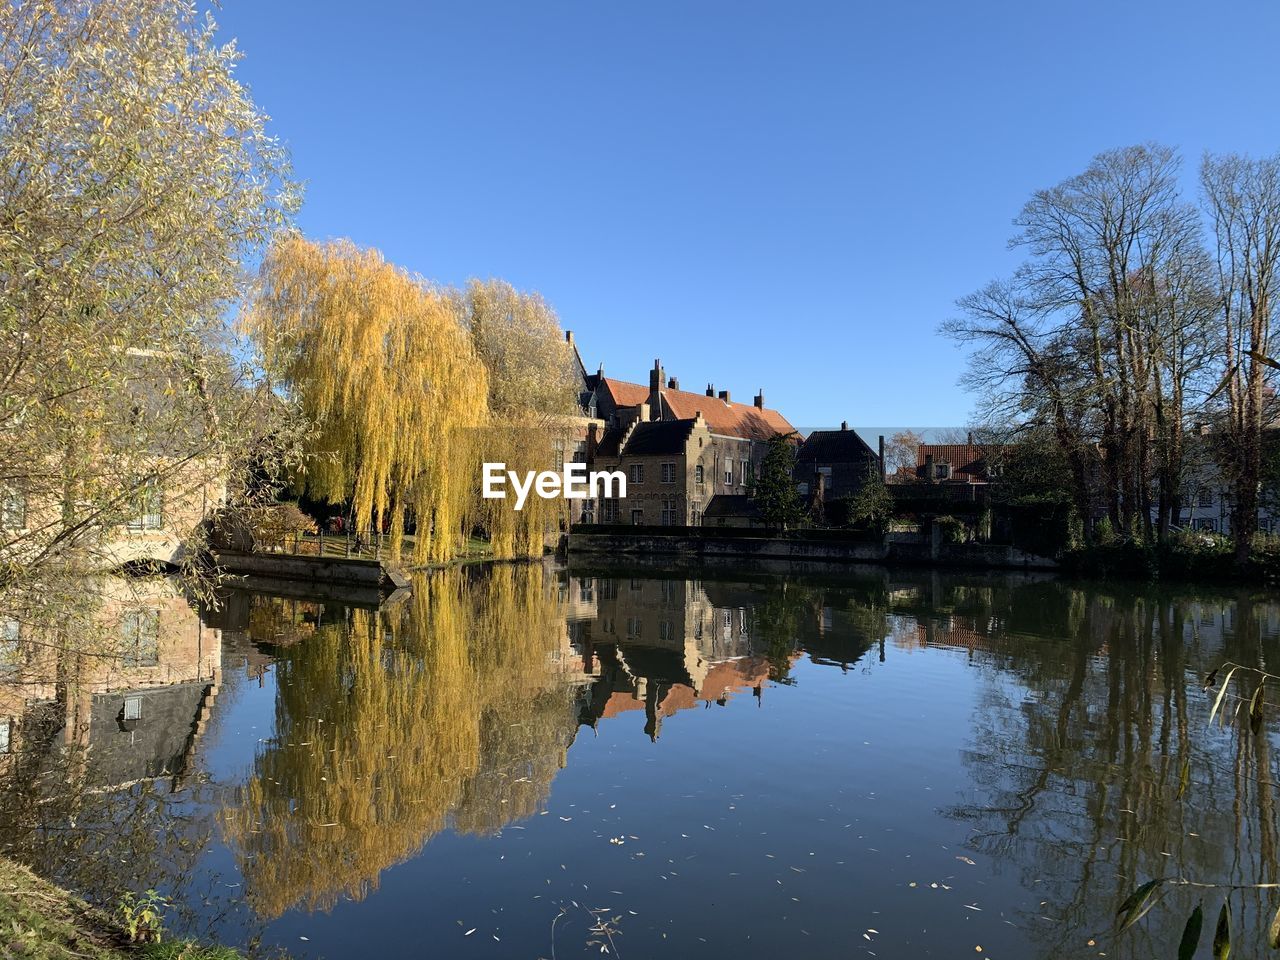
(39, 921)
(1187, 557)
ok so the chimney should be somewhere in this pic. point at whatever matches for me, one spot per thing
(971, 438)
(844, 424)
(928, 467)
(724, 395)
(882, 456)
(656, 377)
(568, 337)
(711, 389)
(656, 380)
(673, 383)
(644, 412)
(759, 401)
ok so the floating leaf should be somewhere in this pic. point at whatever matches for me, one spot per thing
(1209, 680)
(1184, 779)
(1191, 934)
(1222, 935)
(1139, 902)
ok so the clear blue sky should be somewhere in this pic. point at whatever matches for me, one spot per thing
(788, 195)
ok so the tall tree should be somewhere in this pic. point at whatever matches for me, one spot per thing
(1242, 197)
(137, 178)
(389, 379)
(1099, 335)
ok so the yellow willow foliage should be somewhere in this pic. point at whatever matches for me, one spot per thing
(389, 724)
(383, 368)
(522, 447)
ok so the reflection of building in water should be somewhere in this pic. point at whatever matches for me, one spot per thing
(129, 710)
(660, 646)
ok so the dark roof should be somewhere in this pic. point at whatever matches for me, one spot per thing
(732, 505)
(609, 442)
(657, 438)
(835, 446)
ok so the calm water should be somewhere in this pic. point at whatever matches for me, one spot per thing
(521, 760)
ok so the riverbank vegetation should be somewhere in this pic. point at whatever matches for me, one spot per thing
(43, 922)
(1133, 347)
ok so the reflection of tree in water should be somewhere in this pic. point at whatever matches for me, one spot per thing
(388, 724)
(1080, 783)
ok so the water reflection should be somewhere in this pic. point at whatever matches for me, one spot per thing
(1043, 746)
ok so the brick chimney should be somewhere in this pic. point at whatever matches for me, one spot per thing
(657, 377)
(844, 424)
(759, 400)
(928, 467)
(568, 337)
(673, 383)
(711, 389)
(724, 395)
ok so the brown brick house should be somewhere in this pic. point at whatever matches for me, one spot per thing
(678, 449)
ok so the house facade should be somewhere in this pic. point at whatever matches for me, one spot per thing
(836, 463)
(678, 449)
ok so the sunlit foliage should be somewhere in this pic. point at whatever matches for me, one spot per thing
(137, 178)
(411, 388)
(388, 378)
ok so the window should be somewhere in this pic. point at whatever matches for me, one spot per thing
(668, 513)
(150, 507)
(13, 509)
(1209, 526)
(633, 627)
(557, 452)
(586, 589)
(697, 474)
(1205, 498)
(588, 511)
(132, 708)
(580, 452)
(728, 472)
(637, 473)
(6, 734)
(610, 510)
(745, 466)
(664, 630)
(668, 473)
(10, 653)
(803, 488)
(695, 517)
(140, 631)
(637, 517)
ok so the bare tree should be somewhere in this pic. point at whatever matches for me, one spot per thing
(1242, 199)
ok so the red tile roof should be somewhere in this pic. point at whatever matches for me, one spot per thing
(968, 460)
(727, 418)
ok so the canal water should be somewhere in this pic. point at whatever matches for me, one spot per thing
(526, 762)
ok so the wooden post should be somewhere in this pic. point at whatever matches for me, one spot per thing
(320, 548)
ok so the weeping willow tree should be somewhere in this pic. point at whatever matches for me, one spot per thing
(411, 388)
(391, 726)
(533, 395)
(389, 379)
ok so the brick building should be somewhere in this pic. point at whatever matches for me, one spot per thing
(678, 449)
